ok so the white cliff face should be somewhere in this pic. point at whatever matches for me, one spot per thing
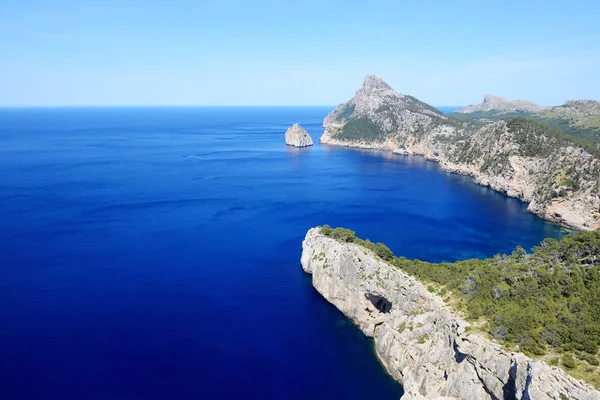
(560, 181)
(297, 136)
(495, 103)
(422, 343)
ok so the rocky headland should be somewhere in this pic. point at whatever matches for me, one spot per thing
(495, 103)
(559, 178)
(422, 342)
(297, 136)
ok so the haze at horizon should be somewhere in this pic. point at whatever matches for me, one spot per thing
(269, 53)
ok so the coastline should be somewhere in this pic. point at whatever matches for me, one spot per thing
(418, 338)
(547, 213)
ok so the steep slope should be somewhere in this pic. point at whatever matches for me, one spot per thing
(422, 343)
(498, 104)
(524, 159)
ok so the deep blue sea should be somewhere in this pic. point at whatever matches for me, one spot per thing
(153, 253)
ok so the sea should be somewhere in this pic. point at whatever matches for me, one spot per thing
(154, 252)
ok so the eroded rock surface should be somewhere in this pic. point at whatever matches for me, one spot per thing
(422, 343)
(297, 136)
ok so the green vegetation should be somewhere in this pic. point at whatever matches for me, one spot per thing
(583, 126)
(568, 361)
(488, 116)
(344, 111)
(361, 128)
(544, 302)
(586, 134)
(423, 338)
(348, 236)
(535, 139)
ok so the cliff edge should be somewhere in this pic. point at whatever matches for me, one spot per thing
(422, 343)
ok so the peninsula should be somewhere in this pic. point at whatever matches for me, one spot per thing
(424, 342)
(557, 176)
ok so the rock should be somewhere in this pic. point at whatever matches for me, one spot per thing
(495, 103)
(297, 136)
(517, 157)
(422, 343)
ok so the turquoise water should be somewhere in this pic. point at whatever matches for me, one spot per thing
(152, 253)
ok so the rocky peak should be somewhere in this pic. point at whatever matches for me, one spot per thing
(391, 111)
(375, 83)
(491, 99)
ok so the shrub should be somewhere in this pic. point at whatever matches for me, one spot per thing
(383, 251)
(345, 235)
(326, 230)
(568, 361)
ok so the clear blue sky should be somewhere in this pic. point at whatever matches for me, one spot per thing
(221, 52)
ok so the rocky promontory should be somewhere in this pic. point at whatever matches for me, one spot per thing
(559, 178)
(297, 136)
(423, 343)
(495, 103)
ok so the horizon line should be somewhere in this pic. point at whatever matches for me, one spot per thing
(172, 105)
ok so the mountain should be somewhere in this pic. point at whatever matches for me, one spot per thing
(522, 158)
(495, 103)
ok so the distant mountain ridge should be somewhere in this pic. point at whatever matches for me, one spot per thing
(520, 157)
(495, 103)
(579, 119)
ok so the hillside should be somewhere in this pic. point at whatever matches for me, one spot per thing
(524, 159)
(579, 119)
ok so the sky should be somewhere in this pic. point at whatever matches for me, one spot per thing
(232, 52)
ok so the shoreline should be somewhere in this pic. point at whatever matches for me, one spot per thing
(385, 148)
(422, 342)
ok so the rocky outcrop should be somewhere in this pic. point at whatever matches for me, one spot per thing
(495, 103)
(297, 136)
(422, 343)
(558, 178)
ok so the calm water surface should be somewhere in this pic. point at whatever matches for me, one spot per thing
(152, 253)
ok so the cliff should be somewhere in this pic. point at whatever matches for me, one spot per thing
(422, 343)
(495, 103)
(297, 136)
(557, 177)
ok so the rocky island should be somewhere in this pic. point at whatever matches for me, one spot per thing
(421, 339)
(297, 136)
(557, 176)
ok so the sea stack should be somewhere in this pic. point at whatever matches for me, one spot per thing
(297, 136)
